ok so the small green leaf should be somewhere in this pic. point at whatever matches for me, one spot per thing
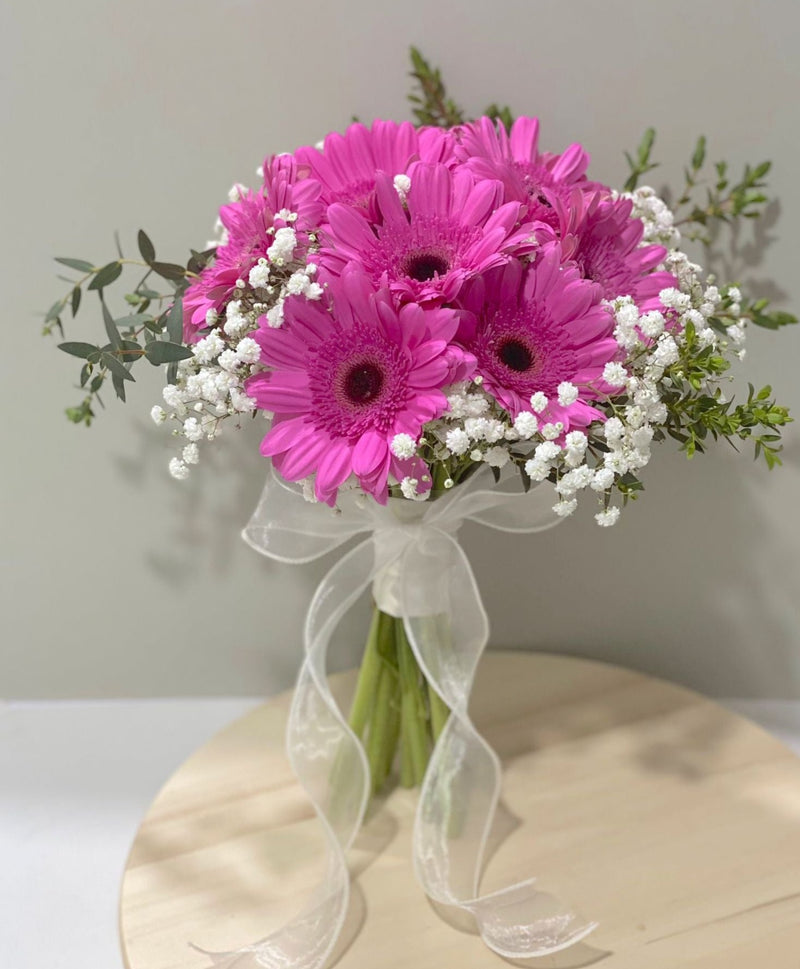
(162, 351)
(169, 270)
(111, 329)
(76, 300)
(106, 275)
(54, 311)
(175, 321)
(119, 386)
(80, 264)
(699, 155)
(82, 350)
(146, 247)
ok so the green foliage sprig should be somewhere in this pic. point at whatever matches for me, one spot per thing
(430, 103)
(151, 329)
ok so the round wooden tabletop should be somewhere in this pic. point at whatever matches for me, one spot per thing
(672, 822)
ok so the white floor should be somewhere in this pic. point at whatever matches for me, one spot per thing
(75, 779)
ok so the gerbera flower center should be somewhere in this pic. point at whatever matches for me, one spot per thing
(423, 266)
(363, 383)
(515, 355)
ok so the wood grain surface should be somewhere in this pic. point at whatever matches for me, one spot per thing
(672, 822)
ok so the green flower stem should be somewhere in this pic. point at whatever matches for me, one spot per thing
(439, 712)
(391, 736)
(368, 675)
(384, 723)
(414, 729)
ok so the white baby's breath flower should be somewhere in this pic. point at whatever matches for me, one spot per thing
(209, 348)
(283, 246)
(526, 424)
(228, 360)
(192, 430)
(178, 469)
(674, 299)
(173, 397)
(652, 324)
(564, 508)
(408, 487)
(191, 454)
(275, 315)
(158, 414)
(259, 274)
(457, 441)
(547, 451)
(402, 185)
(403, 446)
(607, 517)
(537, 470)
(551, 431)
(615, 374)
(603, 479)
(613, 430)
(567, 393)
(538, 402)
(248, 351)
(736, 334)
(576, 440)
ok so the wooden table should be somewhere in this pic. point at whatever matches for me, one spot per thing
(672, 822)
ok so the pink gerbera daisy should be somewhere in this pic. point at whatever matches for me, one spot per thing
(248, 223)
(599, 235)
(345, 381)
(451, 228)
(529, 176)
(533, 328)
(348, 164)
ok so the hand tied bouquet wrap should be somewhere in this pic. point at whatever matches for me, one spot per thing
(433, 319)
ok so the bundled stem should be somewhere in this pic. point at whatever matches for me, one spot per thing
(394, 707)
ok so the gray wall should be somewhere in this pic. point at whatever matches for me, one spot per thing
(119, 581)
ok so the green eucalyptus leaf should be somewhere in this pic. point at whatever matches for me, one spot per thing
(111, 329)
(75, 300)
(175, 321)
(119, 386)
(169, 270)
(146, 247)
(54, 311)
(162, 351)
(82, 350)
(80, 264)
(106, 275)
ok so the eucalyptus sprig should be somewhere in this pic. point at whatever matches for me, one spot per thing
(151, 329)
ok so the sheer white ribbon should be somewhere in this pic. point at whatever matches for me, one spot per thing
(418, 571)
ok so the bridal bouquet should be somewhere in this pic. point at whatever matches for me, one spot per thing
(432, 319)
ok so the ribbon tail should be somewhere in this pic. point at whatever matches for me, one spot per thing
(330, 763)
(462, 786)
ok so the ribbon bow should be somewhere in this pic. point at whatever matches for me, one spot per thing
(417, 571)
